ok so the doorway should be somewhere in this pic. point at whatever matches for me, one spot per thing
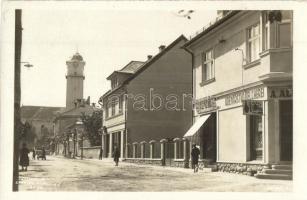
(208, 138)
(286, 129)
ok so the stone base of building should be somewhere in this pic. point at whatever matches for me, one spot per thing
(144, 161)
(242, 168)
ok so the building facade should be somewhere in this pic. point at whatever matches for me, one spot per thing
(146, 102)
(242, 85)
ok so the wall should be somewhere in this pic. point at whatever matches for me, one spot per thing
(232, 135)
(170, 74)
(90, 152)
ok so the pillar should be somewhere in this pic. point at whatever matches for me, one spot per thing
(111, 146)
(105, 145)
(143, 143)
(176, 148)
(185, 153)
(122, 144)
(152, 149)
(163, 141)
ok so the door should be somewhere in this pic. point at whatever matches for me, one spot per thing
(208, 138)
(286, 130)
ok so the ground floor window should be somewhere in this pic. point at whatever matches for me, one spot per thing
(256, 138)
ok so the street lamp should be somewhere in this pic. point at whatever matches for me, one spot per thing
(27, 64)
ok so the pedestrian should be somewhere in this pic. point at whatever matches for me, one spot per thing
(195, 154)
(24, 158)
(100, 154)
(33, 154)
(116, 155)
(43, 154)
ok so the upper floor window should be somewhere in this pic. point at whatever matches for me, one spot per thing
(284, 30)
(114, 82)
(253, 43)
(121, 102)
(207, 65)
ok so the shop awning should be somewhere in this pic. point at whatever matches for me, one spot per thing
(196, 126)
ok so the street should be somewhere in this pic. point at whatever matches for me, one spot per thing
(62, 174)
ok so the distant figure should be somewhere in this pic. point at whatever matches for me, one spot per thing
(24, 158)
(195, 154)
(100, 154)
(116, 155)
(43, 154)
(33, 154)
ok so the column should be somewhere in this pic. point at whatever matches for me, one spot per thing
(111, 146)
(122, 144)
(185, 153)
(163, 141)
(143, 149)
(152, 149)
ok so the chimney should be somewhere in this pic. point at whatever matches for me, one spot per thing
(161, 48)
(149, 57)
(222, 13)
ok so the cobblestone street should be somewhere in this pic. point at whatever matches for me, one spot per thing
(61, 174)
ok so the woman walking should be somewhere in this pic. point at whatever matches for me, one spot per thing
(24, 158)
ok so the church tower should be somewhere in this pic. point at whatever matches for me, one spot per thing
(74, 80)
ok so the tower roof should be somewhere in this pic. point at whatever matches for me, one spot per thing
(77, 57)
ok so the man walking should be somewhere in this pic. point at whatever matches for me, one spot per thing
(194, 155)
(116, 155)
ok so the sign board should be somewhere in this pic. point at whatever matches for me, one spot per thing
(252, 107)
(235, 98)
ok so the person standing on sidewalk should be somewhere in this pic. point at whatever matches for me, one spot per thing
(116, 155)
(33, 154)
(194, 155)
(24, 158)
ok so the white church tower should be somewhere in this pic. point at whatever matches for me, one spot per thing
(74, 80)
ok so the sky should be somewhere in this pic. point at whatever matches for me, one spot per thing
(107, 40)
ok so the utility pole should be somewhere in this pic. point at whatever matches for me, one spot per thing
(17, 94)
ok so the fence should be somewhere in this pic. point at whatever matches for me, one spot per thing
(166, 152)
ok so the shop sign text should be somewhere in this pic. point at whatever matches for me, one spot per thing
(238, 97)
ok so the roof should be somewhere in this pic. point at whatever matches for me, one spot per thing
(39, 112)
(141, 68)
(76, 112)
(77, 57)
(130, 68)
(211, 27)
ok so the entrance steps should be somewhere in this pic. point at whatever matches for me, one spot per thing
(279, 172)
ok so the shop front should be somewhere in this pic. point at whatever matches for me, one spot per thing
(245, 126)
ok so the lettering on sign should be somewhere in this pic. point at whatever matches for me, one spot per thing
(277, 93)
(238, 97)
(205, 104)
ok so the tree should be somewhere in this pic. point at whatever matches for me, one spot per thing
(28, 133)
(92, 124)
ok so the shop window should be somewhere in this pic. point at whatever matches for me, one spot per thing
(207, 66)
(253, 43)
(256, 139)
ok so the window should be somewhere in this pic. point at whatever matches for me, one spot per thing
(266, 31)
(207, 66)
(256, 140)
(253, 43)
(114, 82)
(121, 102)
